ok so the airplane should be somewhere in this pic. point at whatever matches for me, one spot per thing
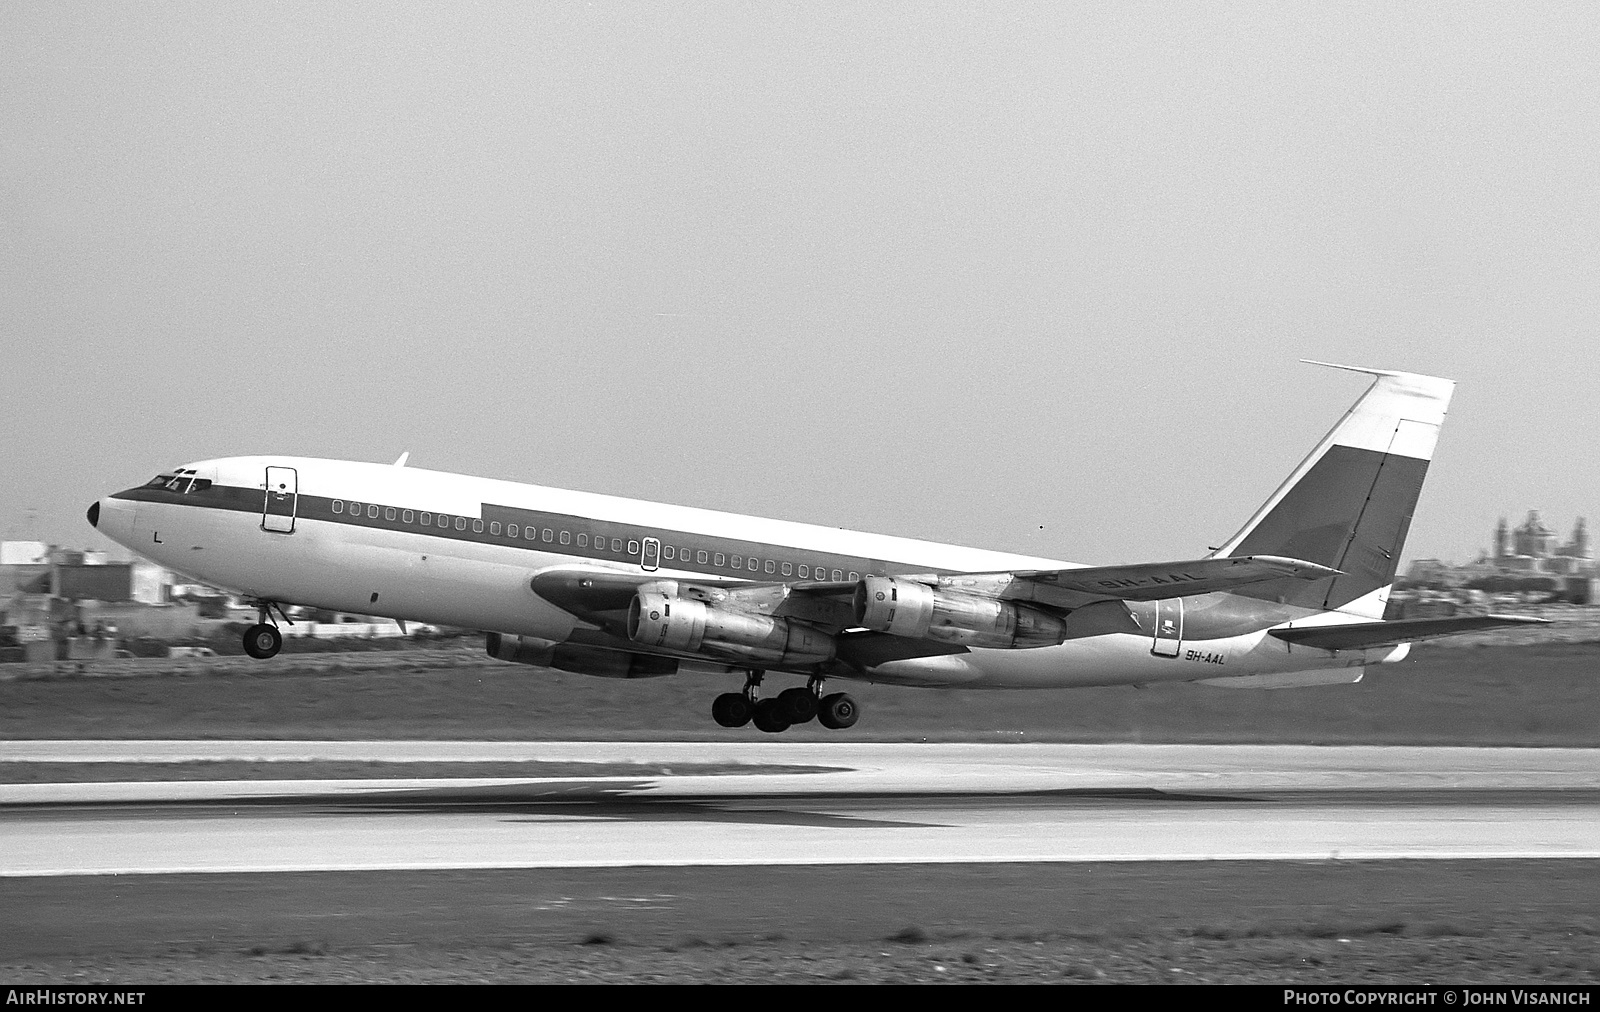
(622, 588)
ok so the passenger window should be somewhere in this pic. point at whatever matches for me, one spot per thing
(583, 541)
(753, 564)
(855, 576)
(338, 505)
(477, 526)
(738, 562)
(530, 533)
(405, 517)
(669, 553)
(769, 566)
(719, 559)
(388, 514)
(805, 572)
(702, 557)
(355, 509)
(600, 541)
(372, 511)
(494, 528)
(549, 535)
(616, 544)
(837, 576)
(566, 539)
(426, 518)
(512, 530)
(787, 569)
(461, 523)
(633, 548)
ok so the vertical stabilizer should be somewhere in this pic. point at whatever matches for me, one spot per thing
(1349, 504)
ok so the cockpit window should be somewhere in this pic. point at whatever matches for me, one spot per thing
(183, 484)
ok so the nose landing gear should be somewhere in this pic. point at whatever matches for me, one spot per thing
(775, 714)
(263, 640)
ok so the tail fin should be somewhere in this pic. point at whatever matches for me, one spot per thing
(1349, 504)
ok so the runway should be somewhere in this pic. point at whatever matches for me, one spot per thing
(867, 804)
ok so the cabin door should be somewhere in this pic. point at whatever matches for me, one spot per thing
(1169, 628)
(282, 496)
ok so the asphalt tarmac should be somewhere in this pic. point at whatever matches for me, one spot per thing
(867, 804)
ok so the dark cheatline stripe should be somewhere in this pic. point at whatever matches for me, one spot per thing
(321, 508)
(1351, 511)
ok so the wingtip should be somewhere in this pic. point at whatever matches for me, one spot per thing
(1412, 378)
(1351, 368)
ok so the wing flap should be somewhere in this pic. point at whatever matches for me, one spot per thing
(1358, 635)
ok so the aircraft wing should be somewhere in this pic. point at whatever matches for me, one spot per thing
(1150, 581)
(604, 595)
(1357, 635)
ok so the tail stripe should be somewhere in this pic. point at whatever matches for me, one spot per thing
(1349, 504)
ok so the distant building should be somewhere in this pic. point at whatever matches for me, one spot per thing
(1533, 549)
(1529, 557)
(62, 604)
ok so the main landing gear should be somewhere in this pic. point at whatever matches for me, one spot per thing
(263, 639)
(773, 714)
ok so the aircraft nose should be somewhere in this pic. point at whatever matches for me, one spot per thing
(94, 513)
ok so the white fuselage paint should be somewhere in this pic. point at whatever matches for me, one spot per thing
(421, 577)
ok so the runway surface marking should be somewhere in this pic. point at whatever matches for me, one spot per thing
(886, 804)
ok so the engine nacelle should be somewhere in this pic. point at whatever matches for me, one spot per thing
(918, 611)
(676, 623)
(578, 658)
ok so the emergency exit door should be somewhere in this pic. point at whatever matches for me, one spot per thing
(282, 497)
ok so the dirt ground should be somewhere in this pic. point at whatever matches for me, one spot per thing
(1193, 922)
(1542, 695)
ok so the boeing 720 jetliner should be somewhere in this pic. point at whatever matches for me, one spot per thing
(627, 589)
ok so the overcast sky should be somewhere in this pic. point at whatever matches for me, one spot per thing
(1027, 277)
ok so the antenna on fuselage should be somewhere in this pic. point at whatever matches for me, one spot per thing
(401, 460)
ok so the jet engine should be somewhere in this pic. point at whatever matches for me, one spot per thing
(676, 623)
(578, 657)
(918, 611)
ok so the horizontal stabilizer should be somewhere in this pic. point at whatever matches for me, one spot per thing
(1359, 635)
(1154, 581)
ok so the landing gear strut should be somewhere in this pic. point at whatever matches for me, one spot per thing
(797, 705)
(263, 639)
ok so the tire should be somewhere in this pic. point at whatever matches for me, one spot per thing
(731, 709)
(262, 641)
(838, 711)
(799, 705)
(769, 717)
